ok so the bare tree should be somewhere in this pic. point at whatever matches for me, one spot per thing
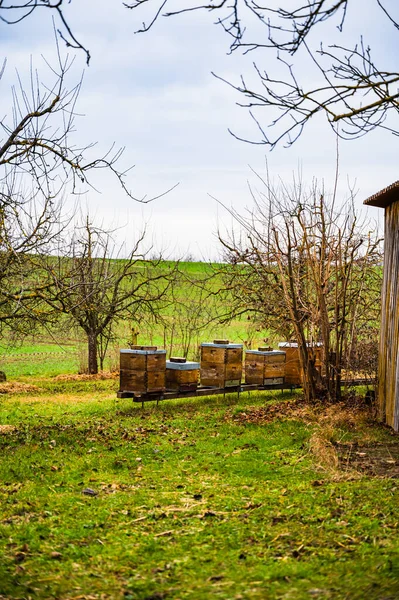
(28, 224)
(38, 164)
(309, 271)
(96, 286)
(15, 11)
(36, 139)
(198, 308)
(353, 92)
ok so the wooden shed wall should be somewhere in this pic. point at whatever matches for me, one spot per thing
(388, 391)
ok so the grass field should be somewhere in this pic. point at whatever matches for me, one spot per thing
(63, 349)
(234, 498)
(239, 498)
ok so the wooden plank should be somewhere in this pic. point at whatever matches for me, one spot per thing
(233, 356)
(233, 371)
(210, 354)
(275, 358)
(175, 379)
(212, 373)
(132, 381)
(388, 390)
(155, 381)
(211, 391)
(271, 371)
(156, 362)
(133, 361)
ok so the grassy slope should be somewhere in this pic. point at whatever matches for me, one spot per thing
(190, 504)
(62, 352)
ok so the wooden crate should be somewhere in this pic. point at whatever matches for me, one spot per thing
(221, 364)
(212, 374)
(182, 375)
(293, 369)
(264, 366)
(142, 370)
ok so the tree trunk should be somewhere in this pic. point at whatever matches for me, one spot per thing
(92, 355)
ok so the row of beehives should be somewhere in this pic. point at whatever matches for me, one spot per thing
(144, 369)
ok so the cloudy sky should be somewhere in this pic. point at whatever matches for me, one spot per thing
(154, 94)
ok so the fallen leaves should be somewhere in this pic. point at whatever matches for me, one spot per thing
(377, 459)
(16, 387)
(348, 413)
(89, 492)
(19, 557)
(86, 377)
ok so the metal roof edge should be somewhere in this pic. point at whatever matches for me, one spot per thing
(384, 197)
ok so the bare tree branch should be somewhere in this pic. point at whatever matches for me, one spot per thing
(355, 95)
(12, 12)
(36, 139)
(307, 271)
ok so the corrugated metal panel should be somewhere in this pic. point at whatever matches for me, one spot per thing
(385, 197)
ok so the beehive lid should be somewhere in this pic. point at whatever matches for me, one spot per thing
(265, 352)
(142, 347)
(186, 366)
(130, 351)
(295, 345)
(217, 345)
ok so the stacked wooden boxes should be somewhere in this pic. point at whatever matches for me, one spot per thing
(182, 375)
(264, 366)
(221, 364)
(293, 369)
(142, 370)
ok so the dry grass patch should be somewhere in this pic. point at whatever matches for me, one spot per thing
(351, 413)
(376, 459)
(17, 387)
(343, 444)
(7, 429)
(324, 451)
(86, 377)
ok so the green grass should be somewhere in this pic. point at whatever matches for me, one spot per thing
(190, 504)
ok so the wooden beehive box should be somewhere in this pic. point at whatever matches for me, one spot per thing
(293, 369)
(182, 375)
(263, 367)
(221, 364)
(142, 370)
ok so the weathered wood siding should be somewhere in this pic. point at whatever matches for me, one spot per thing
(388, 371)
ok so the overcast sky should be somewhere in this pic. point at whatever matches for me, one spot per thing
(154, 94)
